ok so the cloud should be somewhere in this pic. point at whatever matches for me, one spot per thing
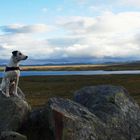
(131, 3)
(76, 24)
(18, 28)
(1, 48)
(108, 22)
(63, 41)
(109, 35)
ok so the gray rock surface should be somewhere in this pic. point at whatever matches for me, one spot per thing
(11, 135)
(13, 111)
(36, 127)
(63, 119)
(21, 94)
(114, 107)
(71, 121)
(97, 113)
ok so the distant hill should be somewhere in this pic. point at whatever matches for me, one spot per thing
(74, 61)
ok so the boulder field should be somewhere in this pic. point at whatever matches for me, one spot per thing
(103, 112)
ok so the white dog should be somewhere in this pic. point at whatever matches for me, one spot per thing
(11, 74)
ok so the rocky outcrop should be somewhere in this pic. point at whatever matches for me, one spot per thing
(13, 112)
(63, 119)
(96, 113)
(22, 95)
(10, 135)
(36, 127)
(71, 121)
(114, 107)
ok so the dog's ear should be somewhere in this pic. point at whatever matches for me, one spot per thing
(14, 53)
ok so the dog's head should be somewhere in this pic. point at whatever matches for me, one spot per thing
(18, 56)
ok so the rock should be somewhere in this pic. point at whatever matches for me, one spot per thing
(36, 127)
(115, 108)
(63, 119)
(71, 121)
(97, 113)
(10, 135)
(13, 111)
(21, 94)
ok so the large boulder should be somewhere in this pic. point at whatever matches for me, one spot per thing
(36, 126)
(10, 135)
(13, 111)
(114, 107)
(69, 120)
(97, 113)
(21, 94)
(63, 119)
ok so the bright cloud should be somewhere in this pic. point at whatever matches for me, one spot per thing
(135, 3)
(108, 22)
(108, 35)
(69, 29)
(114, 35)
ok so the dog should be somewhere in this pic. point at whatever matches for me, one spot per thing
(11, 75)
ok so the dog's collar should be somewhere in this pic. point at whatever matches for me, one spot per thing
(11, 68)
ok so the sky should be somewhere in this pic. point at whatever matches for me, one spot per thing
(70, 30)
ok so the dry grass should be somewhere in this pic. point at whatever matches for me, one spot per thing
(84, 67)
(39, 89)
(80, 67)
(62, 67)
(1, 68)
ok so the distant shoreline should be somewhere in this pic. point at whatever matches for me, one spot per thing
(107, 67)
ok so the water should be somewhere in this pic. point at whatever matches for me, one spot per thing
(95, 72)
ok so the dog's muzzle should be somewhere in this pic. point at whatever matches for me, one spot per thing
(25, 57)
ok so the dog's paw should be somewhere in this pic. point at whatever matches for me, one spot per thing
(15, 94)
(3, 93)
(7, 95)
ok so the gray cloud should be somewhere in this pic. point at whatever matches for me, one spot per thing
(107, 36)
(1, 48)
(64, 42)
(106, 23)
(18, 28)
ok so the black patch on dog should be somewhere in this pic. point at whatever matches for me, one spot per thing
(14, 53)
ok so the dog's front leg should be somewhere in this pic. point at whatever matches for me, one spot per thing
(7, 84)
(15, 86)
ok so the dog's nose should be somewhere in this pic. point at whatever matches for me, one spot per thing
(26, 57)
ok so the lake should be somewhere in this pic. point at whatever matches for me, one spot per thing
(95, 72)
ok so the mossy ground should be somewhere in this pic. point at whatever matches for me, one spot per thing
(39, 89)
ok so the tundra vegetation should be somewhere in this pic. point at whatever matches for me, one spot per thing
(39, 89)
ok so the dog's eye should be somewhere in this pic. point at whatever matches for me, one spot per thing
(19, 53)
